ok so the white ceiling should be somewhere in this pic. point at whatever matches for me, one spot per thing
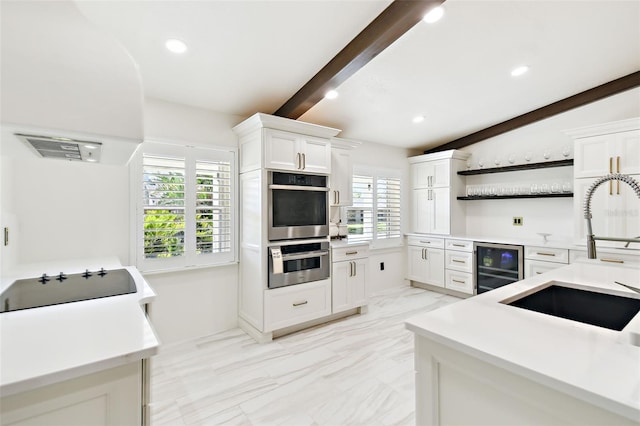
(252, 56)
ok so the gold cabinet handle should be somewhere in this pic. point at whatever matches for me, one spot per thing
(458, 261)
(458, 281)
(304, 161)
(618, 171)
(610, 171)
(545, 254)
(350, 253)
(612, 260)
(458, 245)
(300, 303)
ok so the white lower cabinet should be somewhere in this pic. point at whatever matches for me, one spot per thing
(538, 260)
(426, 261)
(459, 266)
(296, 304)
(349, 277)
(109, 397)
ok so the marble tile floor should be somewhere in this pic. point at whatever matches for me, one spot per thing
(353, 371)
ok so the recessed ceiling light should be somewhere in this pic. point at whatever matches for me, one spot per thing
(418, 119)
(434, 15)
(176, 46)
(519, 70)
(331, 94)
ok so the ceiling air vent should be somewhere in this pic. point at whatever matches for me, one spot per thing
(63, 148)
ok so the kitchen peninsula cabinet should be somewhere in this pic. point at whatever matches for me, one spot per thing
(349, 277)
(435, 186)
(600, 150)
(425, 257)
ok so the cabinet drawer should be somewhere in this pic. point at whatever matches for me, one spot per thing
(459, 261)
(296, 304)
(547, 254)
(357, 251)
(460, 245)
(606, 258)
(536, 267)
(426, 242)
(459, 281)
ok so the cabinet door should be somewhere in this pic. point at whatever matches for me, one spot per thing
(281, 150)
(421, 211)
(340, 286)
(430, 174)
(316, 154)
(416, 264)
(533, 268)
(358, 283)
(440, 211)
(435, 268)
(628, 152)
(592, 156)
(341, 177)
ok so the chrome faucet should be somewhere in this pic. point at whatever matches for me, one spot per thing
(591, 239)
(629, 242)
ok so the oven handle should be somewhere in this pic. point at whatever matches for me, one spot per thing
(305, 255)
(299, 188)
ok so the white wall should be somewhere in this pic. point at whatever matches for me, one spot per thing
(555, 216)
(372, 155)
(199, 302)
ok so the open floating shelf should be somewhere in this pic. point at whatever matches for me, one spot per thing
(504, 197)
(516, 167)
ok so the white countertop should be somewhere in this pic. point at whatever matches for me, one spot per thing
(591, 363)
(553, 242)
(46, 345)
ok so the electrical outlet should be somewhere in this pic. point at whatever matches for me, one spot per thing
(517, 221)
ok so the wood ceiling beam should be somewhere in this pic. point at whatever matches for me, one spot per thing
(594, 94)
(398, 18)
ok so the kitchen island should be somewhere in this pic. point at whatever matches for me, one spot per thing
(77, 363)
(480, 361)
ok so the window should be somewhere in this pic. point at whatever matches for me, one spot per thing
(375, 213)
(185, 203)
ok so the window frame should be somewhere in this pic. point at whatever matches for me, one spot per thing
(376, 174)
(191, 154)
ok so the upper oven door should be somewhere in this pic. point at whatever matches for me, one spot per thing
(298, 211)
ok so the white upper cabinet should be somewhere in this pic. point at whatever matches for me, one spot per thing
(341, 177)
(598, 153)
(435, 186)
(291, 151)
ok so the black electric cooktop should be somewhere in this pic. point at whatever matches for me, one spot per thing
(56, 289)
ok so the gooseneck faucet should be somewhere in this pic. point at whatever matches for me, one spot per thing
(591, 239)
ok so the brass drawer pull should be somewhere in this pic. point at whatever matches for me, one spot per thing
(611, 260)
(458, 261)
(458, 245)
(349, 253)
(300, 303)
(545, 254)
(458, 281)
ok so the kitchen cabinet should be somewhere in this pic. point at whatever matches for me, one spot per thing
(600, 150)
(296, 152)
(435, 185)
(341, 181)
(349, 287)
(109, 397)
(538, 260)
(459, 266)
(425, 257)
(270, 142)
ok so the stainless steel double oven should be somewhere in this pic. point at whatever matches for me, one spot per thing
(298, 227)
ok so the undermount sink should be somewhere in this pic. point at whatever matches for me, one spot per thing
(563, 300)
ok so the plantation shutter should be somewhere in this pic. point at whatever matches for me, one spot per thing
(360, 215)
(185, 207)
(388, 208)
(213, 207)
(163, 206)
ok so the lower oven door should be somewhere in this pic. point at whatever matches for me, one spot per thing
(298, 268)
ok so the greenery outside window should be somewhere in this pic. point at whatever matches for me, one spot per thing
(376, 208)
(185, 207)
